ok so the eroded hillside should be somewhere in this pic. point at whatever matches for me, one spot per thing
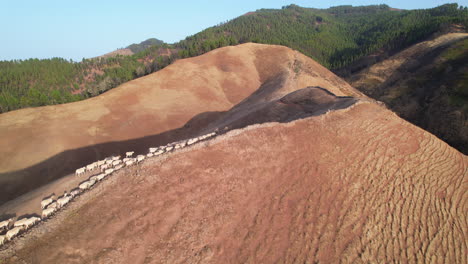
(42, 144)
(427, 84)
(353, 185)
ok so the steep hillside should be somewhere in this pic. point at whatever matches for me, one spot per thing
(353, 185)
(171, 104)
(427, 84)
(335, 37)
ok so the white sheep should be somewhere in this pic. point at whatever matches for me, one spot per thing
(149, 155)
(80, 171)
(118, 167)
(63, 201)
(151, 150)
(109, 171)
(47, 201)
(192, 141)
(47, 212)
(105, 167)
(2, 240)
(169, 148)
(116, 162)
(75, 192)
(91, 166)
(109, 161)
(53, 205)
(93, 178)
(115, 158)
(129, 162)
(101, 162)
(101, 176)
(6, 223)
(159, 152)
(27, 222)
(13, 232)
(129, 154)
(85, 185)
(140, 158)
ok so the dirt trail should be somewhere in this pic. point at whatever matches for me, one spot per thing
(353, 185)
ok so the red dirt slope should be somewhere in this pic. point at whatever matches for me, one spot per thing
(41, 144)
(353, 185)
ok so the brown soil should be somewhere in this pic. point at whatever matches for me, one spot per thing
(39, 145)
(355, 185)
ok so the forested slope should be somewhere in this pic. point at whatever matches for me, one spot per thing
(335, 37)
(426, 84)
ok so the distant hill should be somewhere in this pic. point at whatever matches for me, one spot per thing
(135, 48)
(336, 37)
(427, 84)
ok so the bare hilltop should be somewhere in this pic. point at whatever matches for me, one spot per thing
(303, 169)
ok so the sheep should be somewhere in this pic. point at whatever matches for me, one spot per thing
(47, 201)
(93, 178)
(152, 150)
(5, 224)
(13, 232)
(101, 176)
(86, 185)
(90, 167)
(192, 141)
(118, 167)
(149, 155)
(161, 151)
(115, 158)
(109, 161)
(101, 162)
(169, 148)
(116, 162)
(109, 171)
(91, 182)
(140, 158)
(129, 154)
(129, 162)
(53, 205)
(177, 146)
(27, 222)
(47, 212)
(80, 171)
(2, 240)
(75, 192)
(105, 167)
(63, 201)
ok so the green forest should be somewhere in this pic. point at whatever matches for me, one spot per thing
(335, 37)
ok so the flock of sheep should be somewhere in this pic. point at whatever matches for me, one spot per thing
(10, 229)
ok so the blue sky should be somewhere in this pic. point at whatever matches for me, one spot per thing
(83, 29)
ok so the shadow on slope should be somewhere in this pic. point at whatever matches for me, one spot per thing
(302, 103)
